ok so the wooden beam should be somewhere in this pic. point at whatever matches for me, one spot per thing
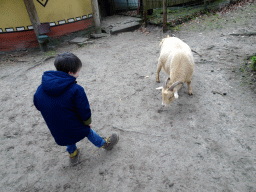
(31, 9)
(96, 16)
(145, 5)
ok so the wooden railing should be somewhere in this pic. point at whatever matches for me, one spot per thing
(152, 4)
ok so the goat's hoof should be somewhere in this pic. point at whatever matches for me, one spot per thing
(157, 81)
(190, 93)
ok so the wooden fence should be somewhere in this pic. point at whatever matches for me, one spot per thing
(152, 4)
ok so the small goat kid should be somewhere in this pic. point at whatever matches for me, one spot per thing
(177, 61)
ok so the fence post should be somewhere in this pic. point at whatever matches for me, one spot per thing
(145, 12)
(138, 8)
(164, 15)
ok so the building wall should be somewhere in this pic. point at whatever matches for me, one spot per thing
(64, 16)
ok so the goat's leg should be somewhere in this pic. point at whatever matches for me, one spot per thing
(158, 71)
(190, 92)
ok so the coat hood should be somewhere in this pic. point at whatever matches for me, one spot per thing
(54, 83)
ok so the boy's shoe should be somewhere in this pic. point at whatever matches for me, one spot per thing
(74, 157)
(110, 141)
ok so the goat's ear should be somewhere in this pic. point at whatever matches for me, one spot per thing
(176, 95)
(160, 44)
(159, 88)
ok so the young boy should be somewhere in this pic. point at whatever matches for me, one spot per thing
(65, 107)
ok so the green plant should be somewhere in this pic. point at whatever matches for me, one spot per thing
(207, 12)
(176, 28)
(253, 63)
(49, 53)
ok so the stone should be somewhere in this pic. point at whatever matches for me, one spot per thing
(85, 43)
(125, 27)
(96, 36)
(79, 40)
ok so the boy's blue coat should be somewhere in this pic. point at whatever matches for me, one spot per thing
(64, 107)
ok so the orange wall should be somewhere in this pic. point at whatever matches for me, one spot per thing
(24, 39)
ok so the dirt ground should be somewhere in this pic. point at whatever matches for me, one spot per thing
(204, 142)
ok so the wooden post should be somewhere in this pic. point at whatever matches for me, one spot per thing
(96, 16)
(31, 9)
(164, 15)
(138, 8)
(145, 4)
(205, 4)
(141, 8)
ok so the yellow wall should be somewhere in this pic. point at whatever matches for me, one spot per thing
(57, 10)
(13, 13)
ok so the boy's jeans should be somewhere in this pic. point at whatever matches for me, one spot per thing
(93, 137)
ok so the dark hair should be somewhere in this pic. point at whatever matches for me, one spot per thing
(67, 62)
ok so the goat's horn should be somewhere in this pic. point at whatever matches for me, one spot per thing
(174, 85)
(168, 79)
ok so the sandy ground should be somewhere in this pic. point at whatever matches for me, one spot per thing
(204, 142)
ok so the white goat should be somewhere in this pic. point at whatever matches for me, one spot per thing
(177, 61)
